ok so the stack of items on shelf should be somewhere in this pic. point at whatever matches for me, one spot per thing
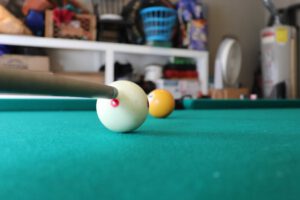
(148, 21)
(111, 24)
(50, 18)
(193, 24)
(70, 19)
(179, 77)
(153, 22)
(36, 60)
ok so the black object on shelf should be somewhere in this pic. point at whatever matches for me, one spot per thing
(147, 86)
(112, 30)
(121, 70)
(279, 91)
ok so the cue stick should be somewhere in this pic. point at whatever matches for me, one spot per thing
(40, 83)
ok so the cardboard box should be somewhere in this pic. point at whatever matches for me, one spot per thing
(82, 26)
(83, 76)
(36, 63)
(229, 93)
(180, 87)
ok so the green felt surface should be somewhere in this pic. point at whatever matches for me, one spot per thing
(47, 104)
(193, 154)
(240, 104)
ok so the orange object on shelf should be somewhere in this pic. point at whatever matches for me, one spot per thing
(39, 5)
(9, 24)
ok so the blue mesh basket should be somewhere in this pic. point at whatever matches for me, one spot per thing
(158, 23)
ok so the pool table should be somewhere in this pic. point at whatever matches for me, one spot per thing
(57, 149)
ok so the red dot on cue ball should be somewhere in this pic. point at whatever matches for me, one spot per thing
(114, 103)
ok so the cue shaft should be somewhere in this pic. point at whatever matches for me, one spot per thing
(39, 83)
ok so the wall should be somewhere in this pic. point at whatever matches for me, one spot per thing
(243, 19)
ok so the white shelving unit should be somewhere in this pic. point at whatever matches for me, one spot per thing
(110, 50)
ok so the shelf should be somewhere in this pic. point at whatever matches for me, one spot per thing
(96, 46)
(110, 49)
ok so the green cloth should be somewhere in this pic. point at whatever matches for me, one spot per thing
(47, 104)
(193, 154)
(239, 104)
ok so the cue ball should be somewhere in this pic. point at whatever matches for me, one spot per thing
(161, 103)
(125, 113)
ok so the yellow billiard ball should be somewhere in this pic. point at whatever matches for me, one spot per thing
(161, 103)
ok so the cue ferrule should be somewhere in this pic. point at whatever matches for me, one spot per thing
(41, 83)
(115, 93)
